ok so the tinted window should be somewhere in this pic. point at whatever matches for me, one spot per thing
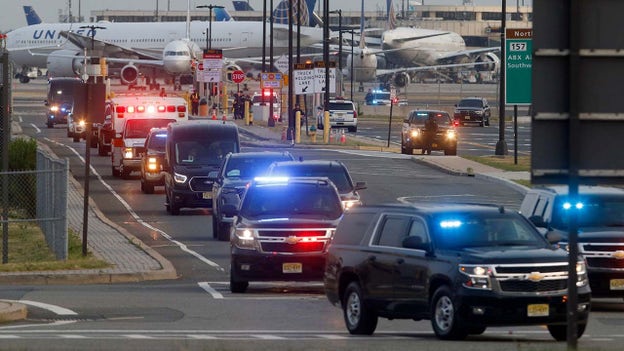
(340, 106)
(139, 128)
(292, 200)
(420, 117)
(250, 167)
(596, 212)
(157, 142)
(393, 231)
(470, 103)
(203, 151)
(352, 228)
(458, 231)
(338, 175)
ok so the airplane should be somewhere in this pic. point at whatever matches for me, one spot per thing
(242, 6)
(31, 15)
(413, 50)
(61, 47)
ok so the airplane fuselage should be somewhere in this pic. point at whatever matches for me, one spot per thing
(421, 47)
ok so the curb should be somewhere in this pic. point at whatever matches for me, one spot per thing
(11, 311)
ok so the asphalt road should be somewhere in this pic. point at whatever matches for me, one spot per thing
(197, 311)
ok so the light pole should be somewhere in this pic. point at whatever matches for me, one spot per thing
(209, 35)
(351, 71)
(339, 12)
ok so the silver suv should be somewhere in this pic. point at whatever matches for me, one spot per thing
(342, 113)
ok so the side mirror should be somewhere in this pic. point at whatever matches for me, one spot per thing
(229, 210)
(416, 243)
(538, 221)
(360, 185)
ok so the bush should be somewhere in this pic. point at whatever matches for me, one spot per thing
(23, 187)
(22, 154)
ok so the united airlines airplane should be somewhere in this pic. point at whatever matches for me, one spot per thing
(172, 46)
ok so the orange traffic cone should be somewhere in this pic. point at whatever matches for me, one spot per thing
(224, 118)
(214, 114)
(343, 137)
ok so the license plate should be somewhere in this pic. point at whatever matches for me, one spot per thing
(207, 195)
(292, 267)
(434, 145)
(616, 284)
(467, 117)
(339, 119)
(537, 310)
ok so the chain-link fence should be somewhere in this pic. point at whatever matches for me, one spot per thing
(38, 196)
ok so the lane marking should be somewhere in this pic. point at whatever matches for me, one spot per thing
(136, 217)
(58, 310)
(136, 336)
(215, 294)
(37, 130)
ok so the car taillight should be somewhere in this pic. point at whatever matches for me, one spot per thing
(354, 114)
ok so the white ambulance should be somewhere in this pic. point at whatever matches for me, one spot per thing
(132, 117)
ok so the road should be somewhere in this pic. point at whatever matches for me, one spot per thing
(197, 311)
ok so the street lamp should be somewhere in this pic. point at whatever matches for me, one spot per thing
(209, 33)
(339, 12)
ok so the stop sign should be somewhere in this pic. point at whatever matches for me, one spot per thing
(238, 76)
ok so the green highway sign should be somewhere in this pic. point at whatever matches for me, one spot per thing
(518, 66)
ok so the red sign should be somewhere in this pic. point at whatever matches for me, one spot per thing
(200, 66)
(238, 76)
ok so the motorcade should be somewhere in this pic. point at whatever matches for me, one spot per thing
(152, 160)
(281, 230)
(342, 114)
(600, 221)
(264, 99)
(60, 99)
(194, 151)
(413, 132)
(76, 127)
(379, 97)
(132, 118)
(464, 267)
(235, 173)
(473, 110)
(335, 171)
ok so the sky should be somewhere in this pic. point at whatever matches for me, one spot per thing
(12, 15)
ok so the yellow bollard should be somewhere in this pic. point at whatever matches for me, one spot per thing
(298, 127)
(313, 133)
(248, 115)
(326, 127)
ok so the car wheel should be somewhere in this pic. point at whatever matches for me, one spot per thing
(487, 122)
(174, 209)
(482, 123)
(101, 150)
(94, 142)
(50, 125)
(237, 286)
(451, 152)
(444, 316)
(560, 332)
(359, 317)
(405, 150)
(69, 134)
(115, 172)
(125, 174)
(215, 225)
(147, 188)
(223, 231)
(76, 137)
(353, 129)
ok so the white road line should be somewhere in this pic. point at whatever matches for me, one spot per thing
(182, 246)
(10, 337)
(37, 130)
(215, 294)
(267, 337)
(201, 337)
(332, 337)
(72, 336)
(136, 336)
(61, 311)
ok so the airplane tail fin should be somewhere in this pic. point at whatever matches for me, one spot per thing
(280, 14)
(314, 19)
(362, 36)
(242, 6)
(391, 23)
(31, 15)
(222, 15)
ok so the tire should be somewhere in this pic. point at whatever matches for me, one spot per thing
(147, 188)
(444, 316)
(76, 137)
(94, 142)
(237, 286)
(353, 129)
(223, 231)
(101, 150)
(404, 150)
(482, 123)
(50, 125)
(215, 225)
(359, 318)
(116, 173)
(69, 134)
(125, 174)
(560, 332)
(174, 209)
(450, 152)
(487, 122)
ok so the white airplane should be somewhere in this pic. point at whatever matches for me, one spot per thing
(172, 46)
(415, 49)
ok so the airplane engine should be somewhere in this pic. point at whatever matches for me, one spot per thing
(129, 74)
(401, 79)
(64, 63)
(493, 62)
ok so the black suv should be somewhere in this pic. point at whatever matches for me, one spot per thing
(237, 170)
(473, 110)
(463, 266)
(282, 229)
(336, 171)
(152, 160)
(601, 229)
(413, 132)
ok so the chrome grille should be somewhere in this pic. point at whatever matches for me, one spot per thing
(531, 278)
(603, 255)
(293, 241)
(200, 184)
(605, 262)
(529, 286)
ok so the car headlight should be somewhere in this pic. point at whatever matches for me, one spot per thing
(581, 274)
(152, 163)
(450, 134)
(414, 133)
(477, 276)
(81, 123)
(128, 152)
(478, 112)
(244, 239)
(54, 108)
(347, 204)
(179, 178)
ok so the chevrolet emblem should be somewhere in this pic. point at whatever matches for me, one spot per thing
(535, 276)
(292, 240)
(619, 255)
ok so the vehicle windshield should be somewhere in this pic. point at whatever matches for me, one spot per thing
(596, 212)
(139, 128)
(202, 152)
(381, 95)
(442, 119)
(281, 201)
(337, 175)
(340, 106)
(157, 142)
(470, 103)
(456, 232)
(249, 167)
